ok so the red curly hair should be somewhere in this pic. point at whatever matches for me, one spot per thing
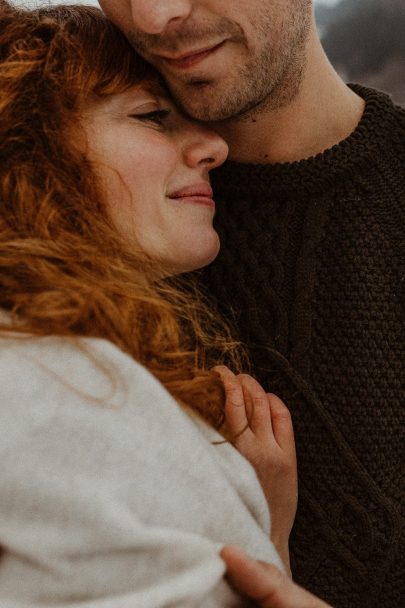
(64, 270)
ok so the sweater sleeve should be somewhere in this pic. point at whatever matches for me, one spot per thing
(70, 528)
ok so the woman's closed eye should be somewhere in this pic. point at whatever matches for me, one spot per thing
(156, 117)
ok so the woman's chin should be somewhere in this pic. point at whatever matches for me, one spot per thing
(196, 257)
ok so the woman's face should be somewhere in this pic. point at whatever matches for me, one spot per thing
(154, 164)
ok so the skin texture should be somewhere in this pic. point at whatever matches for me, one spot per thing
(142, 159)
(264, 583)
(269, 89)
(262, 42)
(262, 429)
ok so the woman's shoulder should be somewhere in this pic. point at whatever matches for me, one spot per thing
(82, 363)
(70, 410)
(86, 404)
(85, 393)
(57, 378)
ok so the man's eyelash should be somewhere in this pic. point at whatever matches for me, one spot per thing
(156, 116)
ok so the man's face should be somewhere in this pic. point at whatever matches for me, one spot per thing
(221, 59)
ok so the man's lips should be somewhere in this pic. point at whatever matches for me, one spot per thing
(187, 60)
(198, 193)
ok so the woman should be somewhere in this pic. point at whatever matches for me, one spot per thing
(118, 484)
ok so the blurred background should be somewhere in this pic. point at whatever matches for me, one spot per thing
(364, 39)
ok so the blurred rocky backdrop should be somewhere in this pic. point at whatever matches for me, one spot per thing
(365, 41)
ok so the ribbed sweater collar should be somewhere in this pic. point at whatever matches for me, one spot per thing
(317, 172)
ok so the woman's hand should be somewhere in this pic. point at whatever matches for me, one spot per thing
(264, 583)
(261, 429)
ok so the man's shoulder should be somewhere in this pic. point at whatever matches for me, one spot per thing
(380, 103)
(398, 118)
(393, 110)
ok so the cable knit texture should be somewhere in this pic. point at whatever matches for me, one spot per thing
(311, 273)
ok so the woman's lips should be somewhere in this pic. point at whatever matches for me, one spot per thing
(200, 194)
(190, 59)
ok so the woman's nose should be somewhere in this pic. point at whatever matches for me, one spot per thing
(205, 149)
(155, 16)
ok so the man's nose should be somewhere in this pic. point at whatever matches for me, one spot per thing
(155, 16)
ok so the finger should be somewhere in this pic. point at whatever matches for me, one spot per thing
(235, 411)
(259, 415)
(282, 424)
(248, 399)
(264, 583)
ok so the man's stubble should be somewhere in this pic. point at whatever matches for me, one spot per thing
(269, 78)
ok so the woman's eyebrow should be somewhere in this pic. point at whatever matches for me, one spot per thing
(156, 87)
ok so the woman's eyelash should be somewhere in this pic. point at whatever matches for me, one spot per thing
(156, 116)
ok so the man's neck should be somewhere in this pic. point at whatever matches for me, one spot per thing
(323, 113)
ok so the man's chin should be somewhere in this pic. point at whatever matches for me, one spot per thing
(198, 101)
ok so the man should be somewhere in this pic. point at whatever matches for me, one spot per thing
(310, 216)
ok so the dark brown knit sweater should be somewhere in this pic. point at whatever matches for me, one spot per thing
(312, 264)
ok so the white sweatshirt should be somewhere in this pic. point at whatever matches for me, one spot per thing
(111, 496)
